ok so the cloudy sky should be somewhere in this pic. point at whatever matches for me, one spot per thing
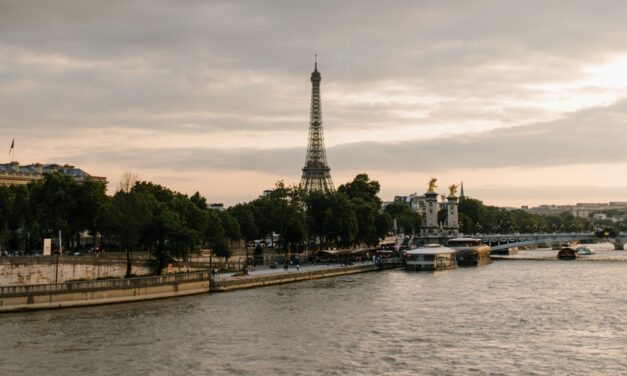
(525, 101)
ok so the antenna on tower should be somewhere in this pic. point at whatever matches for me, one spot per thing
(316, 62)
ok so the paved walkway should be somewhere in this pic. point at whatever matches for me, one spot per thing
(292, 269)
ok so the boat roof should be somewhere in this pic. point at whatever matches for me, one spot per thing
(464, 240)
(430, 250)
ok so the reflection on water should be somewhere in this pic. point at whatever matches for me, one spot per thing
(505, 318)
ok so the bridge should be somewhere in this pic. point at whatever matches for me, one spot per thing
(500, 242)
(505, 241)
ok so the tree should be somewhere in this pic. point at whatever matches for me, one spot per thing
(222, 249)
(364, 188)
(244, 215)
(53, 203)
(282, 212)
(126, 217)
(231, 227)
(214, 230)
(362, 193)
(199, 201)
(90, 198)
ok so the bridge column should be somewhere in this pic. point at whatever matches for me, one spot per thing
(430, 215)
(452, 218)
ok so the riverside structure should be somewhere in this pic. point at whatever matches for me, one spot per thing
(98, 292)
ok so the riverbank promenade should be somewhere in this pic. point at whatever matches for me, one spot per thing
(263, 270)
(120, 290)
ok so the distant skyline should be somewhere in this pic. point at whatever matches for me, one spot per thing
(526, 102)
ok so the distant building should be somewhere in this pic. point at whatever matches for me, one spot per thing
(217, 206)
(416, 202)
(581, 210)
(267, 193)
(15, 174)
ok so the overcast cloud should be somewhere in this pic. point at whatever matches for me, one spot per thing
(190, 92)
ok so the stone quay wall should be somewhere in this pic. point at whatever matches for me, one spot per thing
(74, 294)
(246, 282)
(84, 293)
(46, 269)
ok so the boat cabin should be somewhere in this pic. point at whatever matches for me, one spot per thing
(471, 251)
(465, 242)
(430, 257)
(567, 253)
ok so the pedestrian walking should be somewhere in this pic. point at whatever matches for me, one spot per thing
(297, 267)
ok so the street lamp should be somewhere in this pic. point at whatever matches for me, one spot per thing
(478, 228)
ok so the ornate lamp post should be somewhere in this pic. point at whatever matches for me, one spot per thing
(478, 228)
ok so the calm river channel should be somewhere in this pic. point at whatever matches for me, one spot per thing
(511, 317)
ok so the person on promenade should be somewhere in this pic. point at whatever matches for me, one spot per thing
(285, 267)
(297, 266)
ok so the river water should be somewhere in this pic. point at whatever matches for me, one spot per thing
(511, 317)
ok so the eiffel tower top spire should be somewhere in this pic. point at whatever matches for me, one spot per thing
(316, 173)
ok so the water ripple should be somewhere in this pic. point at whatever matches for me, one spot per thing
(531, 318)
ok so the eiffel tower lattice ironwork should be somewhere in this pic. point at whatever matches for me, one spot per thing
(316, 173)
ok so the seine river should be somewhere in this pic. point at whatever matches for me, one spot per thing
(511, 317)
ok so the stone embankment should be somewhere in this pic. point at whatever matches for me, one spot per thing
(40, 270)
(250, 281)
(85, 293)
(75, 294)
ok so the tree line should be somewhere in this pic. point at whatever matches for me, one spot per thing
(475, 217)
(149, 217)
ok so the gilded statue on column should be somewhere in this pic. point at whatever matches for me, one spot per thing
(432, 185)
(452, 190)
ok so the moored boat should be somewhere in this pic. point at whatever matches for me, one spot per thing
(470, 251)
(431, 257)
(567, 253)
(582, 250)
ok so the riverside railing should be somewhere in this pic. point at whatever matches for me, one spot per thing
(105, 284)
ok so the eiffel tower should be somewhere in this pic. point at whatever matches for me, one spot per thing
(316, 173)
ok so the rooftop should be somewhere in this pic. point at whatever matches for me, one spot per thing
(35, 170)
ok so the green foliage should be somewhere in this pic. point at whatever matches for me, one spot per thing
(231, 227)
(606, 232)
(149, 217)
(474, 216)
(407, 220)
(363, 194)
(245, 217)
(222, 248)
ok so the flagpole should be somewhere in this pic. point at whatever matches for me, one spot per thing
(12, 150)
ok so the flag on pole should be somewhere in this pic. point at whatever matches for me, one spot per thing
(12, 146)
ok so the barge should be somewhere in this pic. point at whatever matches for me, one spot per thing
(567, 253)
(470, 251)
(431, 257)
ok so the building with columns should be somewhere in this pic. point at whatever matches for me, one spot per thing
(581, 210)
(15, 174)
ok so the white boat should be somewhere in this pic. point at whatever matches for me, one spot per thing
(430, 257)
(582, 250)
(470, 251)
